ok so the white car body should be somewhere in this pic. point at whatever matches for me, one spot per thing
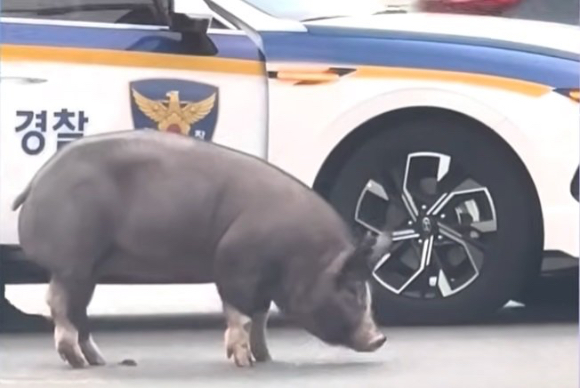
(297, 128)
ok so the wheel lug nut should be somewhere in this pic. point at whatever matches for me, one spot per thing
(440, 237)
(432, 281)
(410, 222)
(423, 207)
(442, 215)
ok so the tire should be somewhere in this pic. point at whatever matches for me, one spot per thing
(558, 289)
(485, 243)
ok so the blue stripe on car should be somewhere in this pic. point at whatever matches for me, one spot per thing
(162, 42)
(440, 38)
(329, 45)
(325, 46)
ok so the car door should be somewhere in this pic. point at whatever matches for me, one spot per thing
(74, 68)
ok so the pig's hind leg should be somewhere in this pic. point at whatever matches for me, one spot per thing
(61, 300)
(88, 346)
(258, 337)
(68, 299)
(72, 261)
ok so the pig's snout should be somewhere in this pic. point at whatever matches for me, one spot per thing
(372, 344)
(377, 342)
(366, 340)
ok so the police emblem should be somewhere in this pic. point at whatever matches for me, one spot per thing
(172, 105)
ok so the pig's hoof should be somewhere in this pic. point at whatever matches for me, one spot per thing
(242, 355)
(92, 353)
(72, 354)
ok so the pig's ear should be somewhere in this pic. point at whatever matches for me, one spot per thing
(354, 269)
(366, 243)
(369, 250)
(382, 246)
(356, 266)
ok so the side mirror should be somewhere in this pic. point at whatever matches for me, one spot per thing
(189, 16)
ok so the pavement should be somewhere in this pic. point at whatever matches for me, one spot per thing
(175, 335)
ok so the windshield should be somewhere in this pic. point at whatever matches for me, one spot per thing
(312, 9)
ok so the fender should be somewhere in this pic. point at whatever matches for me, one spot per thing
(329, 138)
(555, 202)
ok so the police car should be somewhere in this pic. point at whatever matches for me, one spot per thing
(458, 133)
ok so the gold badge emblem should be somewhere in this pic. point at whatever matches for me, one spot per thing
(173, 115)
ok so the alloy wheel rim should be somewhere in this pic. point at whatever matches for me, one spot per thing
(442, 221)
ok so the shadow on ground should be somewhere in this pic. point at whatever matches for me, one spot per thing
(555, 301)
(537, 314)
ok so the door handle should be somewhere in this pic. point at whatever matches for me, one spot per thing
(309, 75)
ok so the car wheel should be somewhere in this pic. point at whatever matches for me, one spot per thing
(465, 218)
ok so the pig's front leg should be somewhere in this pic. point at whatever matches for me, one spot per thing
(237, 336)
(258, 337)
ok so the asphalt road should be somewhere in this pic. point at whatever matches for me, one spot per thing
(519, 348)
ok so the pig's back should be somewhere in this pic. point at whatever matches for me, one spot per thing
(124, 152)
(126, 148)
(239, 182)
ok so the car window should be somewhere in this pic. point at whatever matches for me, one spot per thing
(311, 9)
(140, 12)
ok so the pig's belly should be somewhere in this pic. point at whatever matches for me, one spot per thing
(122, 268)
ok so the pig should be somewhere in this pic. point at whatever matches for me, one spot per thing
(156, 207)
